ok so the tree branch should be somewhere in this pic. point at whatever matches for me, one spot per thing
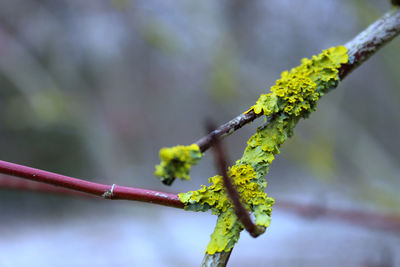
(365, 44)
(360, 48)
(101, 190)
(389, 222)
(220, 259)
(240, 210)
(226, 129)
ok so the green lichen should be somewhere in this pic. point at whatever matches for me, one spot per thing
(294, 96)
(176, 162)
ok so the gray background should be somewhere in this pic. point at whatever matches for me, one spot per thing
(93, 89)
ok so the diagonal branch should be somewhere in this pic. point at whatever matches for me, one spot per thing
(366, 43)
(101, 190)
(360, 48)
(240, 210)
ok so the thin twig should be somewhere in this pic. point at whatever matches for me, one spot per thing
(101, 190)
(389, 222)
(240, 210)
(360, 48)
(226, 129)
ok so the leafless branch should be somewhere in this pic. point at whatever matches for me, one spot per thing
(366, 43)
(389, 222)
(240, 210)
(101, 190)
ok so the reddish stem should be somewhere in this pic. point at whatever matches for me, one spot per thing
(389, 222)
(373, 220)
(101, 190)
(240, 210)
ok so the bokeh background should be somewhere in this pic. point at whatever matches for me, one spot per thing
(93, 89)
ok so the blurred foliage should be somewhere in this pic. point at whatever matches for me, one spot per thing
(224, 69)
(156, 35)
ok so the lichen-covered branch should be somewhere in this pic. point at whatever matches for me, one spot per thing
(359, 49)
(294, 96)
(176, 162)
(101, 190)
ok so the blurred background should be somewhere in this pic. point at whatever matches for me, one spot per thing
(93, 89)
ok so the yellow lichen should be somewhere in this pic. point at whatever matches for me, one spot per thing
(266, 103)
(176, 162)
(298, 90)
(293, 96)
(214, 197)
